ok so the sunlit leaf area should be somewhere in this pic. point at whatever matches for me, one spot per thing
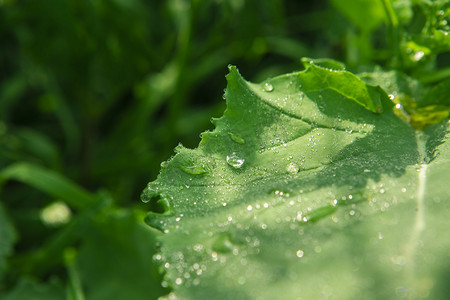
(217, 149)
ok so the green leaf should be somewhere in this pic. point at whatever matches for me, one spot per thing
(326, 63)
(48, 182)
(419, 106)
(115, 258)
(30, 289)
(325, 199)
(365, 14)
(318, 77)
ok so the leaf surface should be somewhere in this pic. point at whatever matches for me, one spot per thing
(305, 193)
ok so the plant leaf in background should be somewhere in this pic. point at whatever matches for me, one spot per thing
(365, 14)
(113, 258)
(29, 289)
(308, 193)
(7, 238)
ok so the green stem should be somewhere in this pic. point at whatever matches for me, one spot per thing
(74, 289)
(393, 37)
(176, 104)
(436, 76)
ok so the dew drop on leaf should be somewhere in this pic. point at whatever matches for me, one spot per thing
(193, 169)
(235, 160)
(268, 87)
(149, 193)
(418, 55)
(238, 139)
(292, 168)
(178, 281)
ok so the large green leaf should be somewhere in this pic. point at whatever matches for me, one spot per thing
(302, 192)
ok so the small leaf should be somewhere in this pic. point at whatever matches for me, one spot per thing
(318, 78)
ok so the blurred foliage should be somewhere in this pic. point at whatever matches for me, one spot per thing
(98, 93)
(110, 87)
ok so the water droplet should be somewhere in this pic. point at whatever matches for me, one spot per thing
(178, 281)
(268, 87)
(198, 247)
(398, 260)
(391, 96)
(235, 160)
(193, 169)
(299, 253)
(238, 139)
(241, 280)
(292, 168)
(249, 208)
(418, 55)
(401, 292)
(278, 193)
(150, 192)
(222, 244)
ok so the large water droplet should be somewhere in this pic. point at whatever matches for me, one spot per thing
(223, 244)
(279, 193)
(235, 160)
(238, 139)
(150, 192)
(193, 169)
(268, 87)
(292, 168)
(299, 253)
(418, 55)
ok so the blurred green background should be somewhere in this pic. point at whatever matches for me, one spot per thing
(100, 92)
